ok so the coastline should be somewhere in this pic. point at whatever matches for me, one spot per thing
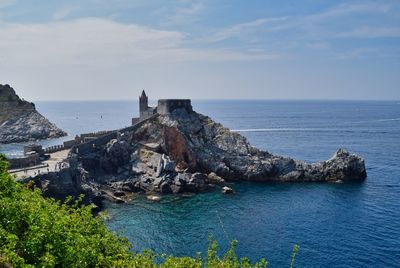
(287, 208)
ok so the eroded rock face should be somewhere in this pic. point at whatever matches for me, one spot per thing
(342, 166)
(71, 181)
(188, 152)
(202, 145)
(19, 120)
(116, 154)
(177, 147)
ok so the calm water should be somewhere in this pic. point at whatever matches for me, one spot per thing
(336, 225)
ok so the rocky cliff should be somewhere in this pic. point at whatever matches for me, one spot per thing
(198, 144)
(19, 120)
(188, 152)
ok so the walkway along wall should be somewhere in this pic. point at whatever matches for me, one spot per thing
(92, 146)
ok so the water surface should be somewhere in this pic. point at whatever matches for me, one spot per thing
(336, 225)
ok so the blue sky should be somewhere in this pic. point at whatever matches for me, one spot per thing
(219, 49)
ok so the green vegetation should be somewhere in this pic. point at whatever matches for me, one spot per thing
(39, 232)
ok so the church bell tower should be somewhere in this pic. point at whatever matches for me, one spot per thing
(143, 103)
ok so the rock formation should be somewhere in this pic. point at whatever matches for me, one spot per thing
(195, 143)
(184, 151)
(19, 120)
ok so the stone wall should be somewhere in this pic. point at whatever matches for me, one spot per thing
(92, 146)
(33, 148)
(135, 120)
(82, 139)
(69, 144)
(95, 134)
(53, 149)
(27, 161)
(167, 106)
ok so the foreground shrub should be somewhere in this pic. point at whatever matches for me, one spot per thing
(39, 232)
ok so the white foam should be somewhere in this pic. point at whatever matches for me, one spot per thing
(389, 119)
(280, 129)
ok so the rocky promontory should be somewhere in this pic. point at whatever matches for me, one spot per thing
(20, 122)
(183, 151)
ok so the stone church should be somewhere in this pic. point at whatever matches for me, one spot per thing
(164, 106)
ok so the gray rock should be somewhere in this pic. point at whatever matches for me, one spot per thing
(165, 188)
(215, 179)
(197, 182)
(116, 155)
(119, 193)
(227, 190)
(196, 143)
(190, 146)
(20, 122)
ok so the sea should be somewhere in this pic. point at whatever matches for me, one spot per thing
(334, 224)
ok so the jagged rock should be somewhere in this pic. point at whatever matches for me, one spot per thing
(131, 185)
(165, 188)
(182, 179)
(342, 166)
(116, 154)
(215, 179)
(192, 146)
(197, 182)
(20, 122)
(119, 193)
(227, 190)
(196, 143)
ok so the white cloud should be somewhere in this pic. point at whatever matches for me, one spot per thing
(323, 24)
(371, 32)
(186, 13)
(238, 30)
(357, 53)
(93, 41)
(64, 12)
(349, 9)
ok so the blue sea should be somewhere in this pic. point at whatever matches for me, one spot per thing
(335, 225)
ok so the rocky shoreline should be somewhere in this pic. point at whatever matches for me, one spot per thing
(180, 152)
(21, 122)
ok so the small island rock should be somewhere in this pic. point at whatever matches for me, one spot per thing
(20, 122)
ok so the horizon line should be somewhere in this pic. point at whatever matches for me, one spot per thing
(216, 99)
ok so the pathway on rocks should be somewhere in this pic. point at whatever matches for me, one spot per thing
(55, 162)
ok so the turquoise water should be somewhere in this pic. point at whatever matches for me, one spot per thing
(336, 225)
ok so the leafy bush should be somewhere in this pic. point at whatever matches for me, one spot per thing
(39, 232)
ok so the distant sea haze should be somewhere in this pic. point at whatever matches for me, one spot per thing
(336, 225)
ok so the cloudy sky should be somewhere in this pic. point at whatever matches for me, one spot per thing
(203, 49)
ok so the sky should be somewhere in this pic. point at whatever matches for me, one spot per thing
(201, 49)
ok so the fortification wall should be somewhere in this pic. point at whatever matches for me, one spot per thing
(92, 146)
(135, 120)
(82, 139)
(30, 160)
(55, 148)
(95, 134)
(167, 106)
(147, 113)
(69, 144)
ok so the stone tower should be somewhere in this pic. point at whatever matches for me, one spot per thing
(143, 104)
